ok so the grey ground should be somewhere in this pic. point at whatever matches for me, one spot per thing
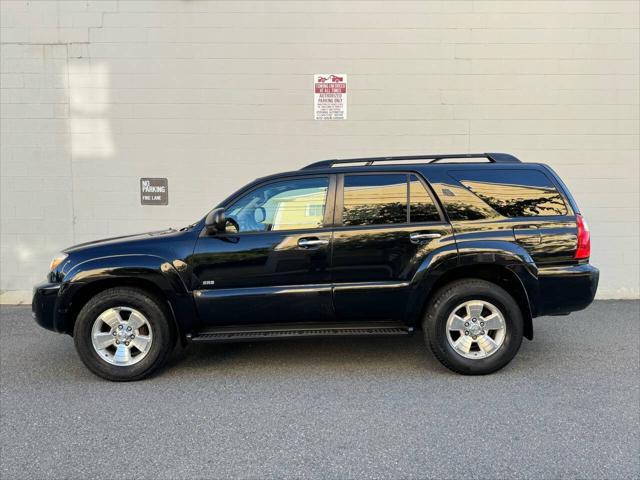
(566, 407)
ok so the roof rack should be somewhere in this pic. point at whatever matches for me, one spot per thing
(491, 157)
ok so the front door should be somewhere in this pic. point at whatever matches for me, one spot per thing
(271, 265)
(387, 224)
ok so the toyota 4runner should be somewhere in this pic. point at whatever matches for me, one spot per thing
(466, 248)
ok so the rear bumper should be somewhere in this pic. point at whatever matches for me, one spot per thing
(44, 304)
(566, 289)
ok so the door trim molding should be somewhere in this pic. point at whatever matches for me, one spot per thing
(341, 287)
(297, 289)
(261, 291)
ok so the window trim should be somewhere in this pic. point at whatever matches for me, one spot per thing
(327, 221)
(339, 200)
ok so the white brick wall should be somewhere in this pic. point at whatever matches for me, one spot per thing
(95, 94)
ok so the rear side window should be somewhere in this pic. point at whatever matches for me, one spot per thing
(387, 199)
(375, 199)
(514, 193)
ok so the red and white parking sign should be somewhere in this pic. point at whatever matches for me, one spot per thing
(330, 96)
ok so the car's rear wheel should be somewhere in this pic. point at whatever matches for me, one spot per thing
(473, 326)
(123, 334)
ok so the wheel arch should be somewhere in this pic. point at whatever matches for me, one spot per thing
(505, 276)
(150, 274)
(86, 291)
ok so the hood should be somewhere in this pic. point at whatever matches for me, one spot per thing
(116, 240)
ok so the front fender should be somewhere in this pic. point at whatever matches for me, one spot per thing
(147, 267)
(126, 269)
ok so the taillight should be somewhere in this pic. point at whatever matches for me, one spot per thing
(584, 239)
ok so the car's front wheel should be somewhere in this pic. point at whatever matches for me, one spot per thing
(123, 334)
(473, 326)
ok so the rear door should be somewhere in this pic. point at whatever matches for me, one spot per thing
(387, 223)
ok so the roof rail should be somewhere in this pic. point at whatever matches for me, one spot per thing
(492, 157)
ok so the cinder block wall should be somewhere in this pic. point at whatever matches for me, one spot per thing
(97, 94)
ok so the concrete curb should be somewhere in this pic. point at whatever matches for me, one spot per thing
(16, 297)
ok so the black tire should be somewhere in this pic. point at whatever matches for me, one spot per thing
(442, 305)
(157, 316)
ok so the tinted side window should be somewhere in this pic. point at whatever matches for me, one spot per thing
(461, 204)
(375, 199)
(421, 206)
(514, 193)
(287, 205)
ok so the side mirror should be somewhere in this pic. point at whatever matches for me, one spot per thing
(216, 220)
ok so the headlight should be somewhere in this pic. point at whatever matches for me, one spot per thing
(57, 261)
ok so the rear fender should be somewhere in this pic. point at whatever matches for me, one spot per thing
(510, 255)
(471, 258)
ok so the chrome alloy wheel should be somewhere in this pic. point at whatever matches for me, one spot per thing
(121, 336)
(476, 329)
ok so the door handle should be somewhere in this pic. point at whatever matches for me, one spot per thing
(419, 237)
(312, 242)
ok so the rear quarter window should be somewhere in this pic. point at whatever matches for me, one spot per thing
(514, 193)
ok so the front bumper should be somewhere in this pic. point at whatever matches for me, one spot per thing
(44, 304)
(566, 289)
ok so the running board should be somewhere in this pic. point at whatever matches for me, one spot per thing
(252, 333)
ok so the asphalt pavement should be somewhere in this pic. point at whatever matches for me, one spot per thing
(568, 406)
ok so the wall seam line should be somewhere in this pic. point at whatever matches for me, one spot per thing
(70, 140)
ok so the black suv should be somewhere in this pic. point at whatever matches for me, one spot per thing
(467, 248)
